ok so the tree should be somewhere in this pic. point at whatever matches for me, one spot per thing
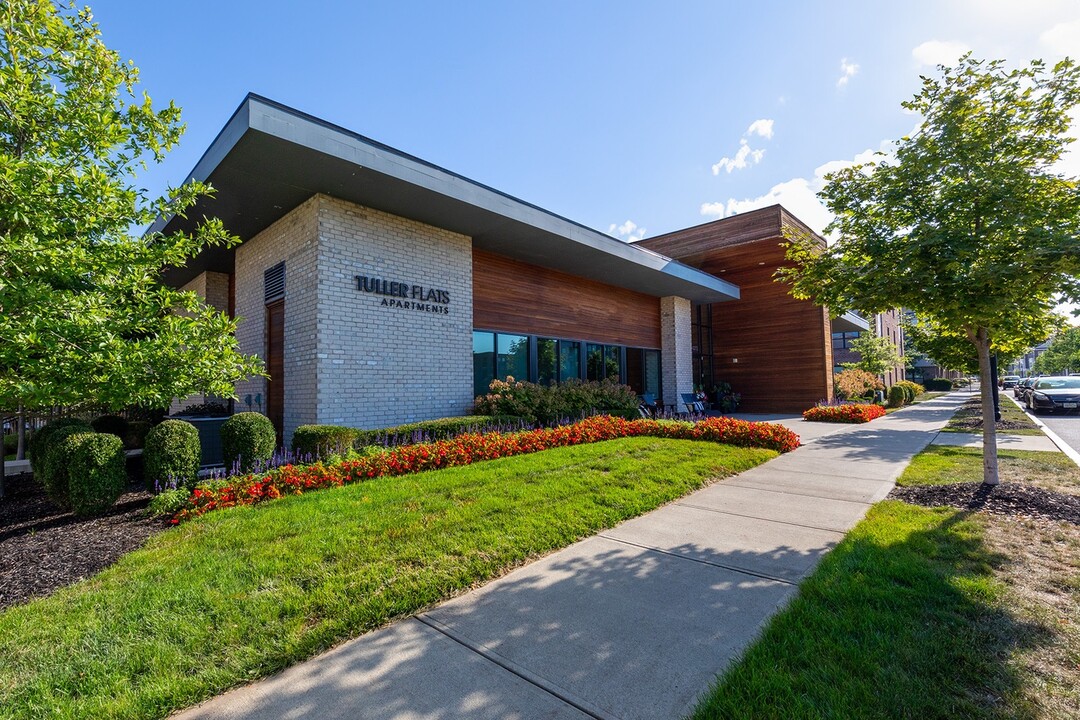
(953, 350)
(876, 354)
(1063, 354)
(84, 316)
(967, 224)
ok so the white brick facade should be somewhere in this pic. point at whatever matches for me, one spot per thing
(677, 369)
(382, 365)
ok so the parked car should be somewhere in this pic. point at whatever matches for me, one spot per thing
(1023, 388)
(1056, 393)
(1009, 381)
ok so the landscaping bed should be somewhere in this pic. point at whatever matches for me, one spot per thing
(1003, 499)
(242, 593)
(968, 418)
(43, 548)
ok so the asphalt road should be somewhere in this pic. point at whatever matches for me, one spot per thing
(1067, 428)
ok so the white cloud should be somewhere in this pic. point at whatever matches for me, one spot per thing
(745, 157)
(939, 52)
(848, 70)
(627, 232)
(798, 195)
(1063, 39)
(761, 127)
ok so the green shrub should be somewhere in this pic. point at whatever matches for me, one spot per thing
(247, 441)
(49, 460)
(169, 502)
(40, 441)
(439, 429)
(914, 388)
(316, 441)
(939, 384)
(136, 434)
(110, 424)
(171, 455)
(546, 404)
(898, 396)
(96, 476)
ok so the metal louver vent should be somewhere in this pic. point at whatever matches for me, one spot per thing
(274, 283)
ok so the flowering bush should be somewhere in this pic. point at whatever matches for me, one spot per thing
(473, 447)
(854, 383)
(548, 404)
(846, 413)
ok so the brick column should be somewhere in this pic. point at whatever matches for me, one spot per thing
(675, 348)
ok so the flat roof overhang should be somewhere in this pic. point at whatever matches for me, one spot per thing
(850, 322)
(269, 158)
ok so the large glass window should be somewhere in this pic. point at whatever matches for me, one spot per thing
(547, 361)
(569, 359)
(483, 345)
(613, 362)
(842, 340)
(594, 358)
(635, 370)
(513, 357)
(652, 372)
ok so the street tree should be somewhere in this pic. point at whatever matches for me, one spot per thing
(953, 350)
(84, 316)
(967, 223)
(877, 355)
(1062, 355)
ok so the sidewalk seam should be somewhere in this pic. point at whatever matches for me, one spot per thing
(771, 520)
(511, 667)
(722, 566)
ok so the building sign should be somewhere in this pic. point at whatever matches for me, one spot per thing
(405, 296)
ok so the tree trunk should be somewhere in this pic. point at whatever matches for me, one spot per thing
(990, 460)
(20, 452)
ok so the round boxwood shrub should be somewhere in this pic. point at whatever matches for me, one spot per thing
(96, 475)
(247, 441)
(171, 455)
(897, 396)
(110, 424)
(39, 441)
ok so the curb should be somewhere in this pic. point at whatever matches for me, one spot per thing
(1062, 445)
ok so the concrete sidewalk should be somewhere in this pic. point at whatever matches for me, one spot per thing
(635, 622)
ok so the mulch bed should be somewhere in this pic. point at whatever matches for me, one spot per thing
(44, 548)
(969, 418)
(1008, 498)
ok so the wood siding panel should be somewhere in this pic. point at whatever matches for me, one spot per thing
(513, 296)
(783, 345)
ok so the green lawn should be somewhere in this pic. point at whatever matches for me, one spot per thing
(969, 419)
(940, 464)
(901, 620)
(924, 613)
(242, 593)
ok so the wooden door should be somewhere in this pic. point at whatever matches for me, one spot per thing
(275, 366)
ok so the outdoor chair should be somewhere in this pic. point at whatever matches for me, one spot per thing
(693, 405)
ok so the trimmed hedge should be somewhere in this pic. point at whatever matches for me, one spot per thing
(111, 424)
(97, 475)
(939, 384)
(247, 440)
(49, 461)
(171, 455)
(915, 388)
(317, 441)
(40, 441)
(898, 396)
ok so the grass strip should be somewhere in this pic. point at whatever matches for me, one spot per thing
(942, 464)
(245, 592)
(1014, 421)
(903, 619)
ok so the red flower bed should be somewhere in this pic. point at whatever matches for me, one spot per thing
(853, 413)
(473, 447)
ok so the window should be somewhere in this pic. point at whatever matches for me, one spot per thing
(613, 362)
(483, 347)
(594, 358)
(513, 357)
(569, 359)
(842, 340)
(547, 361)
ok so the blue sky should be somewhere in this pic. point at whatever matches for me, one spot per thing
(626, 116)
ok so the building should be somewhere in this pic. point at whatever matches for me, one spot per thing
(774, 350)
(887, 325)
(381, 289)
